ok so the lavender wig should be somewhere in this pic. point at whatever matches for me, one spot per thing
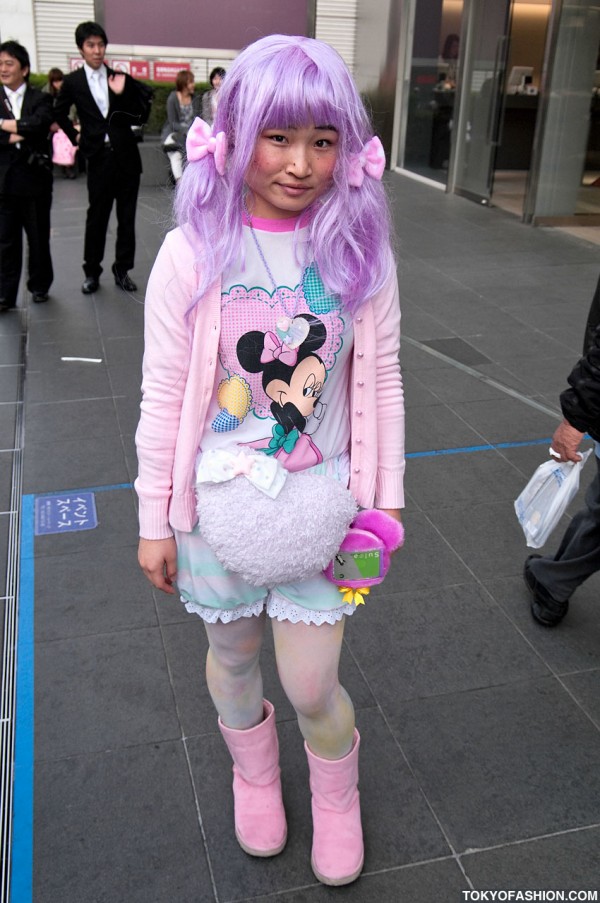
(284, 82)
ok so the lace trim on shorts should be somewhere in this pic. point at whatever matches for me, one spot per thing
(280, 608)
(212, 615)
(276, 607)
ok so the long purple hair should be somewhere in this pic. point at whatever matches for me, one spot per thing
(282, 82)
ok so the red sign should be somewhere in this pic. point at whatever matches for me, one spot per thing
(140, 68)
(75, 62)
(166, 72)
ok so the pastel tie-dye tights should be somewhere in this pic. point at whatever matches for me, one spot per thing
(307, 662)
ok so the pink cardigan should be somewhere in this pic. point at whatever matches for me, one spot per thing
(180, 358)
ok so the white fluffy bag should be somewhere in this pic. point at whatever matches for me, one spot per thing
(267, 525)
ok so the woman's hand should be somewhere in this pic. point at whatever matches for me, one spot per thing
(158, 560)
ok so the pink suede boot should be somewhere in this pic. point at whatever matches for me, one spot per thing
(260, 825)
(337, 852)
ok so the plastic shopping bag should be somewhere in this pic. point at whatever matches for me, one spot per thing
(544, 500)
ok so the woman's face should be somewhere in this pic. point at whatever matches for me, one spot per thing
(216, 81)
(291, 169)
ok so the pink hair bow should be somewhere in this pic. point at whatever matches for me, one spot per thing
(274, 350)
(371, 160)
(200, 141)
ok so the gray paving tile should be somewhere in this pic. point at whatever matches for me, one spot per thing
(49, 355)
(419, 644)
(68, 381)
(450, 385)
(12, 323)
(8, 417)
(4, 530)
(437, 427)
(128, 411)
(564, 862)
(74, 463)
(116, 826)
(126, 351)
(486, 537)
(394, 834)
(431, 882)
(503, 763)
(503, 421)
(78, 595)
(90, 418)
(10, 348)
(127, 379)
(120, 314)
(426, 560)
(10, 377)
(6, 476)
(416, 394)
(586, 689)
(575, 644)
(117, 528)
(102, 692)
(459, 350)
(458, 479)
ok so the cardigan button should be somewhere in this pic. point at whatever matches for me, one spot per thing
(360, 383)
(359, 319)
(359, 413)
(357, 470)
(358, 441)
(359, 354)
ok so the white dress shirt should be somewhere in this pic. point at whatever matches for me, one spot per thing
(15, 99)
(98, 84)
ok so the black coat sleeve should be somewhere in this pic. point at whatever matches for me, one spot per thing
(580, 403)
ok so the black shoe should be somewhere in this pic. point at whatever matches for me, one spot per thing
(39, 297)
(544, 608)
(90, 285)
(123, 280)
(6, 306)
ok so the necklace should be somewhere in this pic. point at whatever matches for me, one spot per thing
(290, 314)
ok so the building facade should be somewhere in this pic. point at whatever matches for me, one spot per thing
(496, 100)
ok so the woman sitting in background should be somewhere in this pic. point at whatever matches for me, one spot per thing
(182, 107)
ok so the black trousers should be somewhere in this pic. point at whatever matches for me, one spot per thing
(578, 556)
(109, 182)
(31, 214)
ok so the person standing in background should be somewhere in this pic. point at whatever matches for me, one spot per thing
(210, 98)
(63, 152)
(552, 579)
(108, 103)
(25, 178)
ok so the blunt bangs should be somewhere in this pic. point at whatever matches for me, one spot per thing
(287, 82)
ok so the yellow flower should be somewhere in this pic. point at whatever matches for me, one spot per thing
(354, 596)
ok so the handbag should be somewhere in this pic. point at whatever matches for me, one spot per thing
(63, 152)
(266, 524)
(546, 496)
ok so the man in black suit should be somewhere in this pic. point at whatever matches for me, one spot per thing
(25, 178)
(108, 104)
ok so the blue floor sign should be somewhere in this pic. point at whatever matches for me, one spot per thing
(65, 513)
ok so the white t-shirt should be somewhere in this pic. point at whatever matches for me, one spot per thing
(284, 355)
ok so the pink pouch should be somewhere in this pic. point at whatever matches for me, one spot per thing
(63, 152)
